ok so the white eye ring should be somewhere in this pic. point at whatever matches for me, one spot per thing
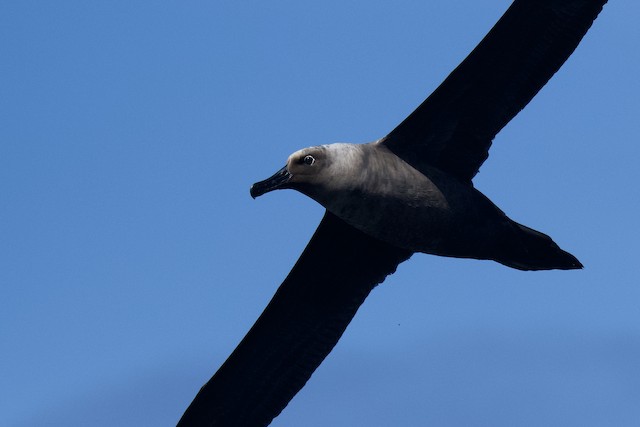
(308, 160)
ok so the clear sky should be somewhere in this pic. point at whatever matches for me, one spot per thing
(132, 259)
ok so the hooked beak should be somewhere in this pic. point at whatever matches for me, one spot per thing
(276, 182)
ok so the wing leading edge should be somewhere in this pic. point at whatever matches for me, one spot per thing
(298, 329)
(453, 128)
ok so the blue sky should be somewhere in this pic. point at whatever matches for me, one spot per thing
(132, 259)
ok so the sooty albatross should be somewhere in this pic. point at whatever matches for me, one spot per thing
(410, 191)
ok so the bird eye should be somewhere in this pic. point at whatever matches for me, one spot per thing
(308, 160)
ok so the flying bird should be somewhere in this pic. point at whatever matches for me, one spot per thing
(410, 191)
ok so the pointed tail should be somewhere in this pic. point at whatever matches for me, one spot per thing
(533, 250)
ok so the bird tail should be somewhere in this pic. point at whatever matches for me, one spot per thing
(533, 250)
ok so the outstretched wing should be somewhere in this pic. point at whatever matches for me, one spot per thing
(453, 128)
(298, 329)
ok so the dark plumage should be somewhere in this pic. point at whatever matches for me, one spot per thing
(408, 192)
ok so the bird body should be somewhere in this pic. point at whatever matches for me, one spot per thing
(428, 211)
